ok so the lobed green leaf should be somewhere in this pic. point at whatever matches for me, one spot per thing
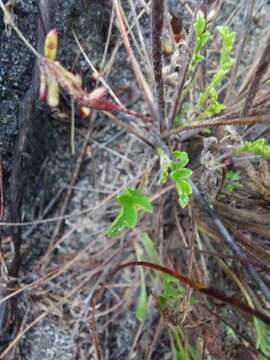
(130, 201)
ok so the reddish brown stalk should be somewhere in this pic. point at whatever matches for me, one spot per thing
(214, 293)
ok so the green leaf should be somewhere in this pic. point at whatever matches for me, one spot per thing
(204, 38)
(141, 201)
(229, 188)
(199, 58)
(200, 23)
(183, 173)
(227, 36)
(150, 249)
(181, 157)
(225, 63)
(201, 38)
(171, 289)
(164, 166)
(142, 305)
(262, 338)
(130, 201)
(178, 173)
(257, 147)
(141, 308)
(183, 199)
(233, 175)
(185, 187)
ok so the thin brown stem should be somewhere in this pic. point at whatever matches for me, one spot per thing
(157, 16)
(251, 120)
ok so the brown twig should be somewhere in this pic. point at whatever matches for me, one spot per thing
(157, 16)
(1, 192)
(130, 129)
(248, 120)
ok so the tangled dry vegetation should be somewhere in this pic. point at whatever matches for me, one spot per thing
(191, 279)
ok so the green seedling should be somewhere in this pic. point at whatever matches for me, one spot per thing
(214, 107)
(257, 147)
(178, 173)
(201, 39)
(234, 177)
(149, 248)
(130, 201)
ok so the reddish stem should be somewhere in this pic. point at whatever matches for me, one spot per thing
(200, 287)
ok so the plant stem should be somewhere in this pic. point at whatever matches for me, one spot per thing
(157, 15)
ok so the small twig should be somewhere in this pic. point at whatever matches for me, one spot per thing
(130, 129)
(72, 127)
(157, 334)
(249, 120)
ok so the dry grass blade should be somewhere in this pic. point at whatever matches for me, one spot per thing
(256, 79)
(147, 94)
(21, 334)
(141, 37)
(243, 39)
(230, 240)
